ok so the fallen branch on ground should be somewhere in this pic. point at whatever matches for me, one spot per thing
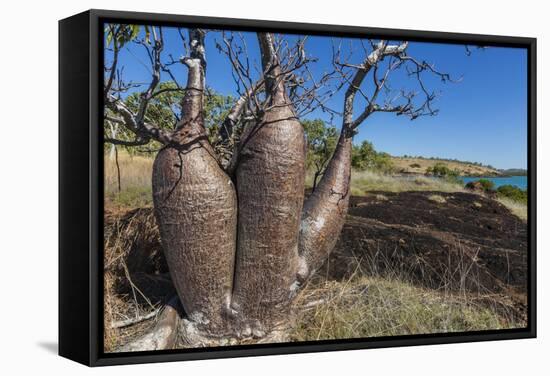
(135, 320)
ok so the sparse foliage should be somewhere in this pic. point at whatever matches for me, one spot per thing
(321, 142)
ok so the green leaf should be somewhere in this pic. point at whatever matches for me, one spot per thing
(147, 35)
(135, 32)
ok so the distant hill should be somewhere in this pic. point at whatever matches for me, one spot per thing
(514, 172)
(418, 165)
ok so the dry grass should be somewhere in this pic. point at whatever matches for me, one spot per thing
(389, 301)
(135, 180)
(372, 306)
(517, 208)
(365, 181)
(136, 281)
(437, 198)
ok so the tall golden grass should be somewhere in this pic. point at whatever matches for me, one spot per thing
(517, 208)
(135, 171)
(363, 181)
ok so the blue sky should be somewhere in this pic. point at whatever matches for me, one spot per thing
(482, 118)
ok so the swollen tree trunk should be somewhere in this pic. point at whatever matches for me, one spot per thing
(270, 183)
(195, 205)
(326, 208)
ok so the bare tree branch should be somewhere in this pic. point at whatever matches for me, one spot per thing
(135, 122)
(226, 129)
(113, 69)
(405, 103)
(136, 142)
(141, 129)
(381, 50)
(155, 56)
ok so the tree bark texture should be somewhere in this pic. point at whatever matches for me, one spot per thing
(270, 184)
(196, 209)
(326, 208)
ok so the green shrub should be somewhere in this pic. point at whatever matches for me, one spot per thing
(512, 192)
(484, 185)
(441, 170)
(487, 184)
(365, 157)
(414, 165)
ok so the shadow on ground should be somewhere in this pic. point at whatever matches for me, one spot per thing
(51, 347)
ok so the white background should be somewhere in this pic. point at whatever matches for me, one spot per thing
(28, 176)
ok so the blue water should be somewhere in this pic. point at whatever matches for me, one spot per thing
(518, 181)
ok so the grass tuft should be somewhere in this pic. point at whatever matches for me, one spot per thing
(370, 306)
(517, 208)
(437, 198)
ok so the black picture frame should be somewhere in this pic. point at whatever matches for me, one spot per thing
(81, 188)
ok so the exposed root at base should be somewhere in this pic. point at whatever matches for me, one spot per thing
(172, 330)
(162, 336)
(191, 336)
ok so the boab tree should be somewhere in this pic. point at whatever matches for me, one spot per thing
(238, 236)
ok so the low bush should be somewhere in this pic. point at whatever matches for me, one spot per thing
(481, 185)
(441, 170)
(487, 184)
(512, 192)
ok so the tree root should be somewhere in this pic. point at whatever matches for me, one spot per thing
(135, 320)
(174, 329)
(162, 336)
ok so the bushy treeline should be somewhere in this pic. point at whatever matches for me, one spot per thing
(514, 172)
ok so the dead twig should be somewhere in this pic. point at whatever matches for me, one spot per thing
(137, 319)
